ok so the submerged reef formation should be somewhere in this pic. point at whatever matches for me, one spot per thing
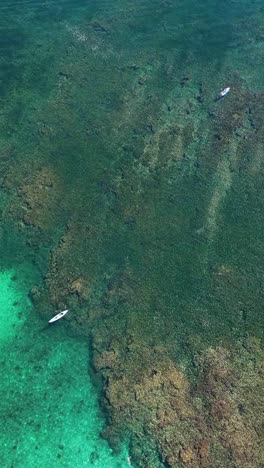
(41, 193)
(152, 405)
(215, 421)
(139, 197)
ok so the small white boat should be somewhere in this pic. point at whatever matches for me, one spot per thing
(224, 91)
(58, 316)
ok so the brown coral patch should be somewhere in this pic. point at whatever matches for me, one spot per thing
(187, 455)
(212, 424)
(80, 287)
(151, 402)
(41, 195)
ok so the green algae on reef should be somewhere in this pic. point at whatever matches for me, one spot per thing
(139, 199)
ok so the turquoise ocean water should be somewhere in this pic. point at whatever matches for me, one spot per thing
(131, 195)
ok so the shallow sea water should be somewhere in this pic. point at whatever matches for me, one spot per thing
(133, 196)
(49, 405)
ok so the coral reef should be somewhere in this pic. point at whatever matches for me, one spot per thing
(142, 199)
(213, 423)
(38, 201)
(41, 194)
(230, 384)
(152, 402)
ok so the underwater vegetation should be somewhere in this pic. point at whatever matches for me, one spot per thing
(139, 198)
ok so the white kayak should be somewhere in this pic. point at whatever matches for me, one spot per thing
(224, 91)
(58, 316)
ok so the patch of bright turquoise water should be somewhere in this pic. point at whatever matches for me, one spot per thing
(49, 414)
(12, 303)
